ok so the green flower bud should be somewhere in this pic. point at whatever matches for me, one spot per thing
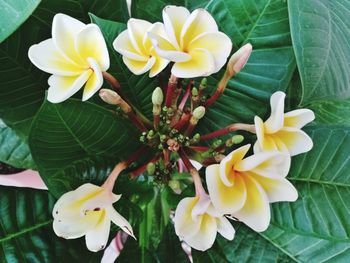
(194, 92)
(151, 168)
(203, 84)
(237, 139)
(199, 112)
(157, 96)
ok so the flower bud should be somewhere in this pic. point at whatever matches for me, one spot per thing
(194, 92)
(151, 168)
(203, 84)
(199, 112)
(239, 59)
(109, 96)
(237, 139)
(157, 96)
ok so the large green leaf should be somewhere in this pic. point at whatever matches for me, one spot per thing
(316, 227)
(22, 85)
(138, 89)
(13, 149)
(26, 233)
(321, 38)
(13, 14)
(76, 142)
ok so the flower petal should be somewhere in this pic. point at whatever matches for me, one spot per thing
(201, 64)
(91, 44)
(225, 228)
(61, 88)
(295, 140)
(64, 32)
(184, 224)
(120, 221)
(275, 121)
(277, 190)
(157, 29)
(205, 237)
(271, 164)
(217, 43)
(75, 228)
(137, 29)
(122, 44)
(226, 199)
(200, 21)
(227, 170)
(139, 67)
(265, 141)
(96, 239)
(201, 206)
(95, 81)
(256, 211)
(46, 57)
(158, 66)
(174, 18)
(298, 118)
(166, 50)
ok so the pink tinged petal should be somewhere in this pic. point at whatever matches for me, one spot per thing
(166, 50)
(46, 57)
(61, 88)
(184, 224)
(158, 66)
(199, 22)
(27, 178)
(264, 140)
(95, 81)
(122, 44)
(201, 206)
(256, 211)
(298, 118)
(226, 199)
(205, 236)
(271, 164)
(139, 67)
(64, 32)
(201, 64)
(225, 228)
(277, 190)
(90, 43)
(96, 239)
(295, 140)
(137, 29)
(174, 18)
(275, 121)
(120, 221)
(239, 59)
(227, 165)
(217, 43)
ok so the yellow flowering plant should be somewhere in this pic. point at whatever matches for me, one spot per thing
(195, 131)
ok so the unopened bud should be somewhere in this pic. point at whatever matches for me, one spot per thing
(157, 96)
(237, 139)
(151, 168)
(196, 137)
(150, 134)
(239, 59)
(194, 92)
(199, 112)
(109, 96)
(203, 84)
(217, 143)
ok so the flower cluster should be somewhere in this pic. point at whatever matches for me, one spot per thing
(239, 185)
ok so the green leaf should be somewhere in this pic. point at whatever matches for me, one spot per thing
(316, 227)
(22, 85)
(26, 233)
(138, 89)
(321, 38)
(332, 111)
(14, 150)
(13, 14)
(76, 142)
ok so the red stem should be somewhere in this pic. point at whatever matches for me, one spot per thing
(228, 129)
(170, 90)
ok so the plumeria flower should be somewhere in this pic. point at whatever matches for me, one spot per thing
(245, 187)
(76, 55)
(193, 42)
(281, 131)
(88, 211)
(197, 222)
(137, 50)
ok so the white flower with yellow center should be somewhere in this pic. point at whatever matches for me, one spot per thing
(245, 187)
(76, 55)
(88, 211)
(136, 47)
(193, 42)
(281, 131)
(197, 222)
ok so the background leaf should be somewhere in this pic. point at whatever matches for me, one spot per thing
(75, 142)
(321, 38)
(26, 233)
(13, 14)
